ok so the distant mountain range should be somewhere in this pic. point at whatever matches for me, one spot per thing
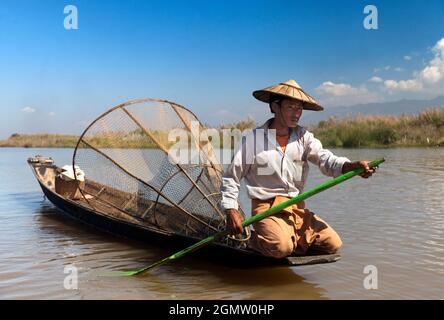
(386, 108)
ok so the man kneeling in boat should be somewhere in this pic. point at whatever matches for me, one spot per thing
(279, 152)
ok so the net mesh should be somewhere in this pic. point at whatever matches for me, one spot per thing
(144, 161)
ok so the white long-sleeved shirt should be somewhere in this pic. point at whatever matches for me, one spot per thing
(269, 171)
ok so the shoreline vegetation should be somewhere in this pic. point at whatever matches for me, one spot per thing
(424, 129)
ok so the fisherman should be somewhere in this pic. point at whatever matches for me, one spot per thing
(273, 159)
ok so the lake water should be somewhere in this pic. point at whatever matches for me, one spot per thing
(393, 221)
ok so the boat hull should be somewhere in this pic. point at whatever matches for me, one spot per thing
(216, 252)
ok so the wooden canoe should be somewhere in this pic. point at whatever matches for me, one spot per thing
(105, 217)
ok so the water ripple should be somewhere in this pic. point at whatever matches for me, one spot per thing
(394, 221)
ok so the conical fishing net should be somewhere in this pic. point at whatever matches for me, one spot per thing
(144, 162)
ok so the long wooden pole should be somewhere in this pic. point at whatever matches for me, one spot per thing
(256, 218)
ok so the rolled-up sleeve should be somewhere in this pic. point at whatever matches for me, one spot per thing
(231, 180)
(329, 164)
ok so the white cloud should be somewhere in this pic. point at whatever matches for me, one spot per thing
(51, 114)
(28, 110)
(430, 75)
(403, 85)
(344, 94)
(386, 68)
(426, 82)
(336, 89)
(375, 79)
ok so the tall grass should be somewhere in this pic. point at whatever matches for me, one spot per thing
(422, 129)
(40, 141)
(242, 125)
(102, 140)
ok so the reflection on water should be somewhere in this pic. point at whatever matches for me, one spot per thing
(183, 279)
(394, 220)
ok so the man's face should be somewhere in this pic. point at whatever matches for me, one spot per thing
(289, 112)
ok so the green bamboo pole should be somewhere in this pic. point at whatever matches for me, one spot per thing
(256, 218)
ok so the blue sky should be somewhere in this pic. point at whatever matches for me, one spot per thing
(209, 56)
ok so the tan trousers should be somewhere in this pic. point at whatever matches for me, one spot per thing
(293, 231)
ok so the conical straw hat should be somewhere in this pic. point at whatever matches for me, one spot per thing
(289, 89)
